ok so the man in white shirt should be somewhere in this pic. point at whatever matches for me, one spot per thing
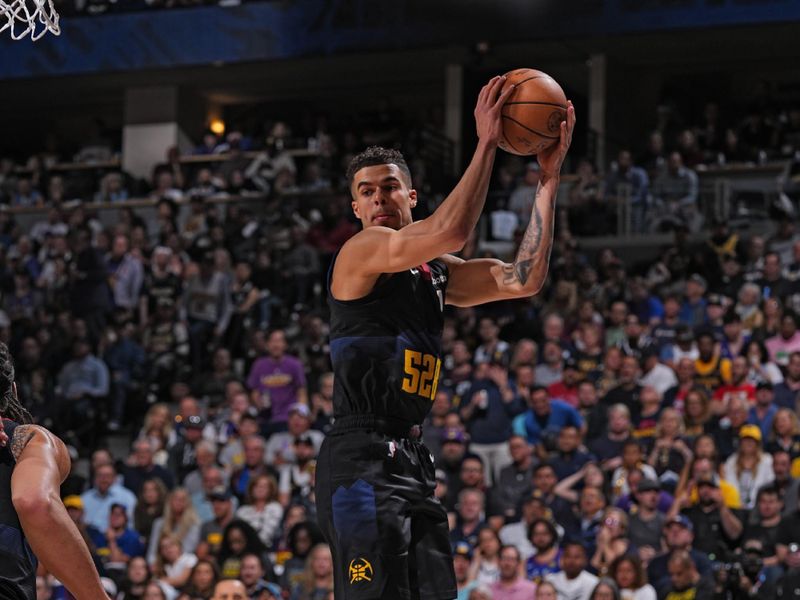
(573, 582)
(655, 374)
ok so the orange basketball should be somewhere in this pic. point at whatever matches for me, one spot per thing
(533, 113)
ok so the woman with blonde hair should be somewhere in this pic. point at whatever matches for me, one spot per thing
(749, 468)
(173, 565)
(748, 308)
(317, 579)
(158, 430)
(612, 540)
(179, 521)
(785, 433)
(261, 510)
(670, 456)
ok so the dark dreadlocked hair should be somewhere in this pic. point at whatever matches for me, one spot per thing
(10, 408)
(376, 155)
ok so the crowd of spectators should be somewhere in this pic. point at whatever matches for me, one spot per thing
(632, 432)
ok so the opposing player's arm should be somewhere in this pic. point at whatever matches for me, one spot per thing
(478, 281)
(42, 464)
(377, 250)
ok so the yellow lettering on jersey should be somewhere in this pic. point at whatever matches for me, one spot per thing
(421, 374)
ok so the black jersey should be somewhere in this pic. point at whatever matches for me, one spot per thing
(17, 561)
(386, 346)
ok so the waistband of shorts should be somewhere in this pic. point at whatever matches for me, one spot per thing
(398, 428)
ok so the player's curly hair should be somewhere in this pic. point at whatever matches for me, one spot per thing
(377, 155)
(10, 408)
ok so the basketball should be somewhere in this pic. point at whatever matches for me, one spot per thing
(533, 113)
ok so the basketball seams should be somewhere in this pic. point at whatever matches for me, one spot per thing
(556, 104)
(526, 128)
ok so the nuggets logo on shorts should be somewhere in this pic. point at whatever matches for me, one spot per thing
(360, 570)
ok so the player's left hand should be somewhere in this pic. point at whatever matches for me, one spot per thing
(550, 160)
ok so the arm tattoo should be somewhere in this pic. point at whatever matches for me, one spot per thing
(531, 254)
(22, 435)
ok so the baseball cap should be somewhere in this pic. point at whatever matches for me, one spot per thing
(73, 502)
(679, 520)
(649, 485)
(272, 588)
(684, 334)
(715, 300)
(463, 548)
(764, 385)
(194, 422)
(698, 279)
(441, 476)
(300, 409)
(711, 480)
(750, 431)
(453, 434)
(219, 493)
(304, 438)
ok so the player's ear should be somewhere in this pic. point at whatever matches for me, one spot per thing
(354, 205)
(412, 196)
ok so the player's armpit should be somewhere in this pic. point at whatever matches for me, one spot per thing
(481, 280)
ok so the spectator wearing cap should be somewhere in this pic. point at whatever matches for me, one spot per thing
(454, 448)
(106, 491)
(254, 464)
(567, 388)
(545, 417)
(277, 381)
(646, 522)
(787, 392)
(785, 342)
(715, 313)
(679, 536)
(140, 467)
(222, 506)
(749, 467)
(693, 310)
(182, 458)
(462, 561)
(573, 580)
(717, 527)
(117, 543)
(296, 483)
(711, 369)
(511, 585)
(762, 412)
(489, 408)
(550, 369)
(280, 447)
(654, 373)
(703, 469)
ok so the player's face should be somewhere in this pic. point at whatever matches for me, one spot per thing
(382, 196)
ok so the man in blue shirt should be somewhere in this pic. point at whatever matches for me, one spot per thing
(97, 501)
(635, 177)
(545, 418)
(116, 544)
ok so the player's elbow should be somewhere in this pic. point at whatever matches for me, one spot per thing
(33, 507)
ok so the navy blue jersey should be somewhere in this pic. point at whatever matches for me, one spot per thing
(17, 562)
(386, 347)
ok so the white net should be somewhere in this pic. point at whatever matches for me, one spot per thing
(32, 18)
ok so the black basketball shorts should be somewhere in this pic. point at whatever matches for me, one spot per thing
(388, 534)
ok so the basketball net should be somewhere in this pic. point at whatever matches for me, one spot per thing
(32, 18)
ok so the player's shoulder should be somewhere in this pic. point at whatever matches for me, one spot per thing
(28, 435)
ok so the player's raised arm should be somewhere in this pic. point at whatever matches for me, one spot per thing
(486, 280)
(42, 464)
(383, 198)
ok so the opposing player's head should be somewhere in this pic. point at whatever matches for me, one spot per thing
(10, 408)
(380, 184)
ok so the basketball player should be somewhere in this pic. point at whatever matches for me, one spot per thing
(387, 289)
(33, 520)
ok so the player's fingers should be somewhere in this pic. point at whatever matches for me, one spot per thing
(486, 90)
(503, 96)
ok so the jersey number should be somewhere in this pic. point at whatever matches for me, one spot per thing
(421, 374)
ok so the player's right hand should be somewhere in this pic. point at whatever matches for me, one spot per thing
(488, 118)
